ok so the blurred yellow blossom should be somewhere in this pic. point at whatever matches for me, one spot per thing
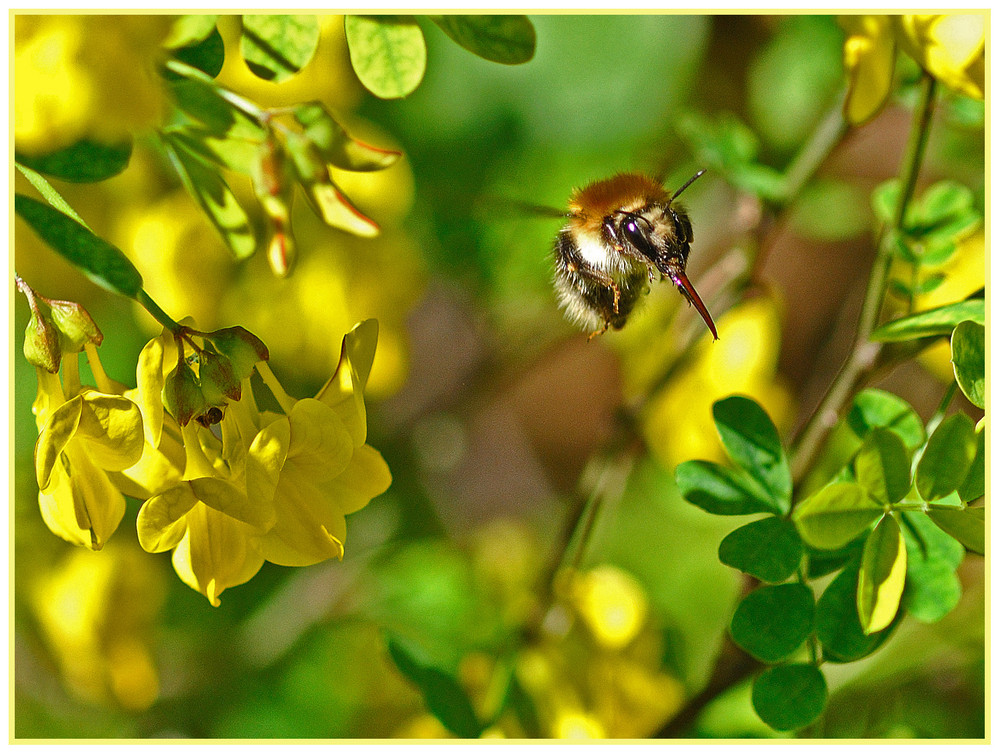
(611, 603)
(951, 47)
(575, 724)
(97, 612)
(85, 76)
(677, 422)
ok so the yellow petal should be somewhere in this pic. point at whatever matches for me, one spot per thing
(149, 378)
(111, 426)
(366, 476)
(869, 58)
(160, 523)
(81, 505)
(55, 436)
(229, 500)
(320, 445)
(265, 459)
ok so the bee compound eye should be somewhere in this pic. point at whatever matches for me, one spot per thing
(632, 230)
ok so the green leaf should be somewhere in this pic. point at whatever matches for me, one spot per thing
(833, 516)
(939, 321)
(878, 408)
(445, 697)
(190, 29)
(336, 146)
(882, 466)
(388, 53)
(721, 491)
(773, 621)
(769, 549)
(100, 261)
(882, 576)
(968, 354)
(277, 47)
(837, 624)
(753, 443)
(830, 210)
(207, 55)
(501, 39)
(947, 458)
(788, 697)
(943, 200)
(721, 141)
(932, 588)
(83, 162)
(967, 525)
(218, 201)
(973, 486)
(48, 192)
(885, 200)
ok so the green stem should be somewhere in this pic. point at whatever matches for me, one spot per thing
(156, 312)
(865, 354)
(824, 138)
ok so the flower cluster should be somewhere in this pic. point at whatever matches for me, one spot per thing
(226, 484)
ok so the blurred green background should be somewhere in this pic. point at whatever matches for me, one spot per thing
(488, 406)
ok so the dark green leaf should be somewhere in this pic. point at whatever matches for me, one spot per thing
(445, 697)
(83, 162)
(788, 697)
(334, 143)
(277, 47)
(769, 549)
(823, 562)
(968, 354)
(218, 201)
(721, 491)
(939, 321)
(837, 625)
(973, 486)
(882, 576)
(773, 621)
(882, 466)
(48, 192)
(968, 526)
(207, 55)
(502, 39)
(878, 408)
(834, 515)
(932, 587)
(752, 441)
(947, 458)
(103, 263)
(388, 53)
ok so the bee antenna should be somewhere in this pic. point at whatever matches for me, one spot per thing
(691, 180)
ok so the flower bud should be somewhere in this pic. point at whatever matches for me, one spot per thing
(182, 396)
(41, 342)
(75, 324)
(218, 380)
(241, 347)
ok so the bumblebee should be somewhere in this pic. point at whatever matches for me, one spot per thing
(621, 233)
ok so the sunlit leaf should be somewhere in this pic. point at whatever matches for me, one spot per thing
(48, 192)
(879, 408)
(388, 53)
(882, 576)
(752, 441)
(218, 201)
(882, 466)
(276, 47)
(939, 321)
(99, 260)
(947, 458)
(336, 146)
(788, 697)
(967, 525)
(721, 491)
(773, 621)
(834, 515)
(508, 39)
(932, 588)
(190, 29)
(769, 549)
(83, 162)
(968, 354)
(837, 624)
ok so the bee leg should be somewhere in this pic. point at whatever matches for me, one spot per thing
(598, 332)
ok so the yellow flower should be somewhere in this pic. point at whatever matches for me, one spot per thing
(870, 59)
(611, 603)
(951, 47)
(327, 470)
(81, 440)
